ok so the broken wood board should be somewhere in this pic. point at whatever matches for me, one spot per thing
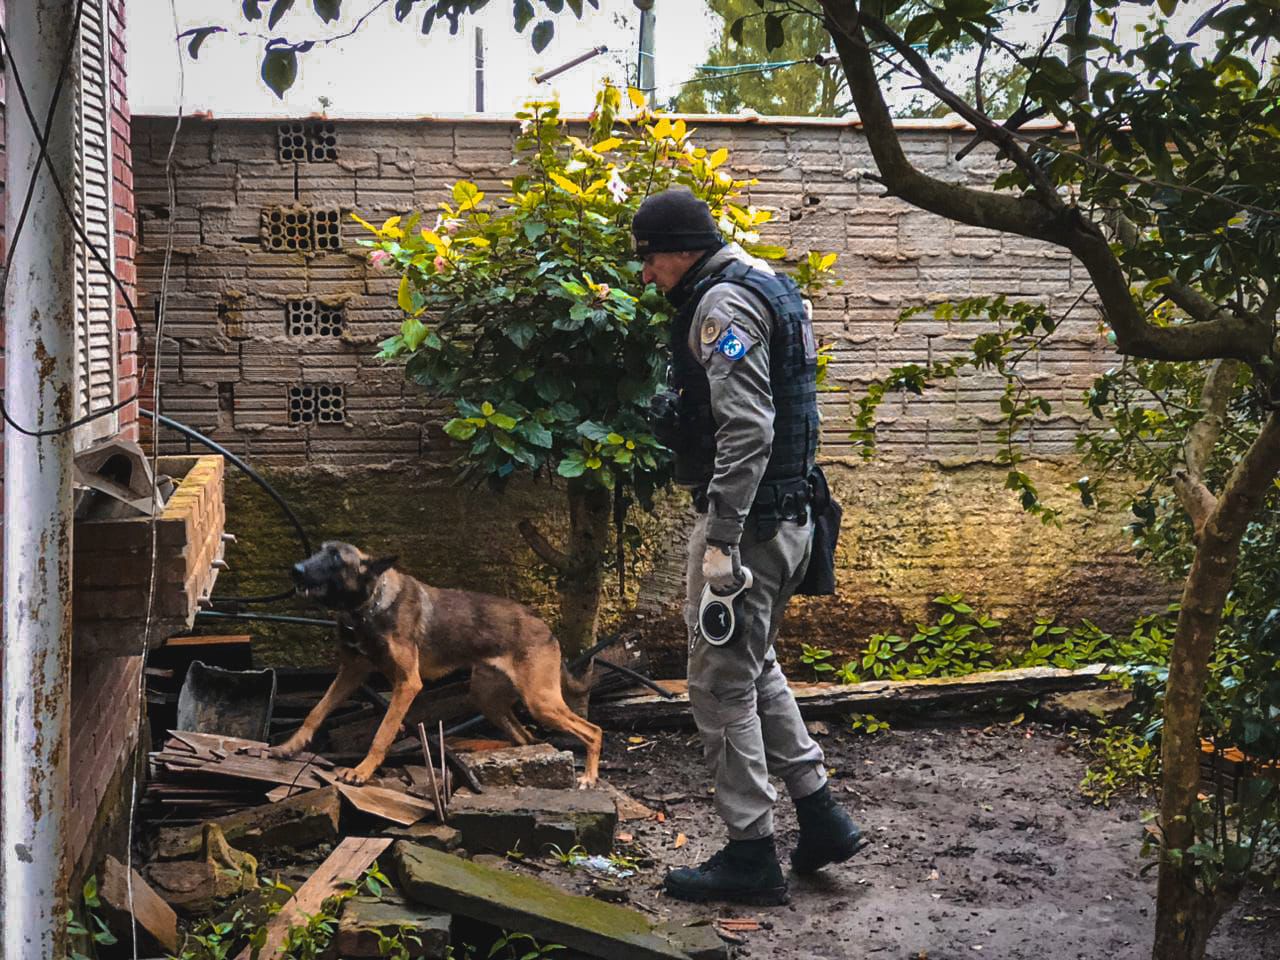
(513, 901)
(835, 699)
(345, 865)
(393, 805)
(155, 918)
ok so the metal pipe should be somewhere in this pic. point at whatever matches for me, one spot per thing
(40, 324)
(581, 58)
(645, 78)
(479, 70)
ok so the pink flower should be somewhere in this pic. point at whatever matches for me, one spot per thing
(602, 292)
(379, 259)
(441, 264)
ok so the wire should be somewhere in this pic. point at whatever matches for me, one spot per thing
(42, 138)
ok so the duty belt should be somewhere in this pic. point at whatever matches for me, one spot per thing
(775, 503)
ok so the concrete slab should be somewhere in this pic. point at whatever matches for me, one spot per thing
(500, 819)
(514, 902)
(298, 822)
(537, 765)
(365, 918)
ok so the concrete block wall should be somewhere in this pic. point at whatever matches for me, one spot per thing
(230, 358)
(233, 367)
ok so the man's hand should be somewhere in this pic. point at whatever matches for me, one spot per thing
(722, 566)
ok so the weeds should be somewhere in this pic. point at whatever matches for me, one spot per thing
(1122, 760)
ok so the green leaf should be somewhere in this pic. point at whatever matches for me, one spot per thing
(570, 467)
(251, 10)
(278, 10)
(535, 433)
(328, 10)
(533, 229)
(1167, 7)
(735, 30)
(280, 69)
(774, 34)
(404, 296)
(502, 421)
(460, 429)
(91, 892)
(542, 35)
(198, 37)
(522, 13)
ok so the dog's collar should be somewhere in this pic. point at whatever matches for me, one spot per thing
(373, 606)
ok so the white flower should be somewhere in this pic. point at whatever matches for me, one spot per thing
(617, 187)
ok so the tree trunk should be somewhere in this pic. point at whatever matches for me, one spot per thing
(582, 579)
(1185, 917)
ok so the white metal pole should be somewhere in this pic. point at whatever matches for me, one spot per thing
(40, 393)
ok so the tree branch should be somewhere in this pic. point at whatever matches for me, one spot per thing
(1249, 483)
(1197, 448)
(1000, 135)
(542, 546)
(1021, 215)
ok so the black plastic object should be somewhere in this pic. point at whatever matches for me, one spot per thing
(233, 703)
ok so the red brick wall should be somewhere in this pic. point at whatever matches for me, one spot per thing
(105, 711)
(126, 232)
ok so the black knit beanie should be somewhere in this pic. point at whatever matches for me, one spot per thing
(672, 221)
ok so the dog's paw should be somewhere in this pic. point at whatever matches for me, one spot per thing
(285, 751)
(355, 776)
(586, 783)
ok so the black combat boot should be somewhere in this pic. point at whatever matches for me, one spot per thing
(744, 871)
(827, 833)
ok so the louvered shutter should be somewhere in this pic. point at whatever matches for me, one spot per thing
(95, 295)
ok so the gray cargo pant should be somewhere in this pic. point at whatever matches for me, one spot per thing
(748, 719)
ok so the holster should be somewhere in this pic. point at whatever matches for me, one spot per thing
(820, 576)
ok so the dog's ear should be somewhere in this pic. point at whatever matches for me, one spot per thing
(376, 568)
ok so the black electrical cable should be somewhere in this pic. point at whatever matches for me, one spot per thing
(266, 618)
(253, 475)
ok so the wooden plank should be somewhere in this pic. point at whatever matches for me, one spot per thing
(351, 858)
(213, 641)
(834, 699)
(155, 917)
(392, 805)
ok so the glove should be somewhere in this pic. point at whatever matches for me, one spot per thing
(722, 566)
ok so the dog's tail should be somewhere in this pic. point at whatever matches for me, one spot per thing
(576, 690)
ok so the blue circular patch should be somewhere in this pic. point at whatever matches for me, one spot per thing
(732, 347)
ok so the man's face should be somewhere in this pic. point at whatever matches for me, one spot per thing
(667, 269)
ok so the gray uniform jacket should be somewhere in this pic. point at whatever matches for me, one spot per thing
(741, 397)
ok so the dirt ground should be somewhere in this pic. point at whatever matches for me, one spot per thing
(982, 847)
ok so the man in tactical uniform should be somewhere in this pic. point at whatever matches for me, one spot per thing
(744, 430)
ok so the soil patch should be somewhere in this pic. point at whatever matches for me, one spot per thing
(982, 846)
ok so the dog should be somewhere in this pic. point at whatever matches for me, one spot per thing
(410, 632)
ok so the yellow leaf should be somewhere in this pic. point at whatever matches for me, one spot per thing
(366, 224)
(636, 740)
(681, 840)
(440, 243)
(662, 129)
(596, 185)
(828, 261)
(564, 183)
(390, 228)
(606, 145)
(405, 295)
(636, 97)
(677, 130)
(717, 158)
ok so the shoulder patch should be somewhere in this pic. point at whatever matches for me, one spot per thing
(733, 345)
(710, 331)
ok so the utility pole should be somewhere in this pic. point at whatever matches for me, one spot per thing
(479, 70)
(39, 317)
(644, 63)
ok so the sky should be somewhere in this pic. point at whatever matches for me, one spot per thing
(390, 69)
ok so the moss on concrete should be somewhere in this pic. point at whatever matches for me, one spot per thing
(910, 533)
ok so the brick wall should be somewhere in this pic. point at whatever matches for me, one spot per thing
(247, 354)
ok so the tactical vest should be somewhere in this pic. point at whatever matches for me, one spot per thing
(793, 370)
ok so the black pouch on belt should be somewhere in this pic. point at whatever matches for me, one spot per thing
(820, 576)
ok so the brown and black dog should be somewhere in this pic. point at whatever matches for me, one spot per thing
(410, 632)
